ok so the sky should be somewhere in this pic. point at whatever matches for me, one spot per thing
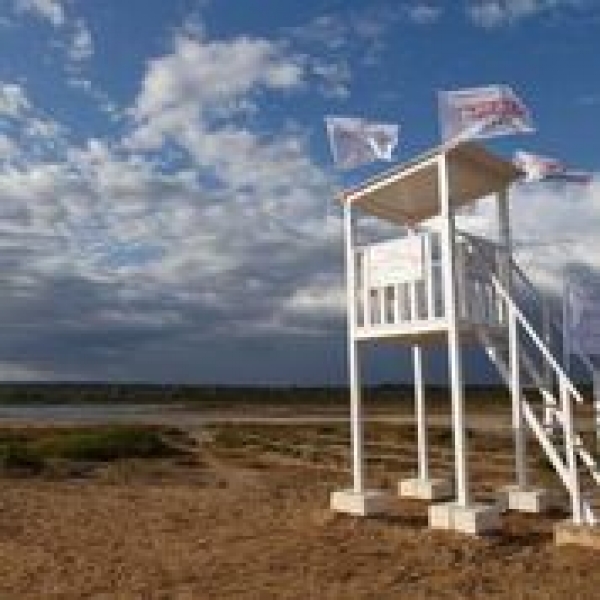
(166, 189)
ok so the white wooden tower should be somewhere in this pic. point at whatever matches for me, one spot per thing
(438, 285)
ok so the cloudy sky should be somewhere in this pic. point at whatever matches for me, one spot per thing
(166, 190)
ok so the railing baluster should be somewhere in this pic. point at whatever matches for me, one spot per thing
(414, 314)
(366, 292)
(382, 305)
(396, 307)
(575, 491)
(429, 277)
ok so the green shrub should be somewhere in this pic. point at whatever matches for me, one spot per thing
(18, 456)
(106, 444)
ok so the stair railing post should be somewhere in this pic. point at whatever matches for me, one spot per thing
(518, 420)
(571, 452)
(549, 405)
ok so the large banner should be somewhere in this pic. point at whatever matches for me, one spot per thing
(582, 312)
(482, 112)
(396, 261)
(356, 142)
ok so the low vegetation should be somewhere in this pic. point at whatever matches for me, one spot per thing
(33, 450)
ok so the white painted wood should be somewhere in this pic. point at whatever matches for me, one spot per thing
(566, 327)
(408, 194)
(571, 453)
(366, 294)
(414, 312)
(517, 399)
(396, 307)
(382, 305)
(450, 308)
(430, 277)
(356, 419)
(423, 459)
(549, 404)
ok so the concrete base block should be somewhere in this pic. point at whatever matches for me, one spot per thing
(567, 533)
(529, 500)
(369, 502)
(475, 519)
(426, 489)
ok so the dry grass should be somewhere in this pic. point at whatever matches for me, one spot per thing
(245, 516)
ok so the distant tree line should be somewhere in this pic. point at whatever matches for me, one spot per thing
(71, 393)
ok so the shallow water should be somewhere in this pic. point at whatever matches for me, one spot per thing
(87, 413)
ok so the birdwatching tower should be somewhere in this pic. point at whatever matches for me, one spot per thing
(436, 285)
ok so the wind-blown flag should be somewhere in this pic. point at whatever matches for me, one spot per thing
(541, 168)
(356, 142)
(482, 112)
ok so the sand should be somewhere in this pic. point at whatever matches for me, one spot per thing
(246, 518)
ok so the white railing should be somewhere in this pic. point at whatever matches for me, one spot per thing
(402, 304)
(479, 303)
(566, 460)
(420, 302)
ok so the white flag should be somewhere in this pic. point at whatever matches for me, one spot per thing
(356, 142)
(482, 112)
(539, 168)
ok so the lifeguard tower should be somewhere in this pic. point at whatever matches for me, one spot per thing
(437, 285)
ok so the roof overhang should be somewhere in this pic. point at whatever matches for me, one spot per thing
(408, 193)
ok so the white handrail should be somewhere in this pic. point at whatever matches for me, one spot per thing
(530, 331)
(536, 295)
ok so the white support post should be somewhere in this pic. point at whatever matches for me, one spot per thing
(356, 424)
(505, 238)
(451, 316)
(421, 415)
(518, 419)
(571, 453)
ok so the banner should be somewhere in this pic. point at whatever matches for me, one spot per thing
(482, 112)
(582, 311)
(395, 261)
(541, 168)
(356, 142)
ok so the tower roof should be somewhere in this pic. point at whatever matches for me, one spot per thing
(408, 193)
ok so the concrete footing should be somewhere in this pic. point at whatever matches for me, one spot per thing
(425, 489)
(365, 504)
(474, 519)
(567, 533)
(529, 500)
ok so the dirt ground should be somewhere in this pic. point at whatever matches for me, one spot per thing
(245, 516)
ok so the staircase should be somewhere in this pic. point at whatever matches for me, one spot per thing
(530, 367)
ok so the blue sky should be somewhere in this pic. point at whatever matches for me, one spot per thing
(166, 189)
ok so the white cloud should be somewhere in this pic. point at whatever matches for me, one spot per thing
(8, 147)
(94, 236)
(49, 10)
(490, 14)
(82, 46)
(71, 32)
(109, 240)
(565, 238)
(206, 74)
(13, 100)
(424, 13)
